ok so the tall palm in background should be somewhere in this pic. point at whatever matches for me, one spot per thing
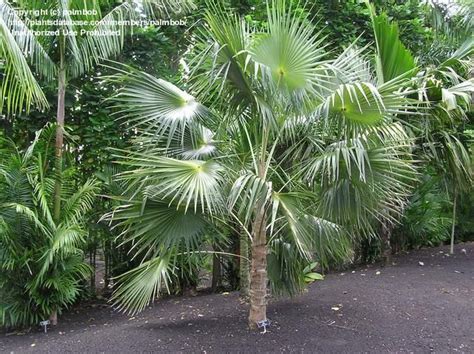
(445, 88)
(32, 48)
(443, 142)
(302, 151)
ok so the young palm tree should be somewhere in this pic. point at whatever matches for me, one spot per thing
(41, 260)
(300, 151)
(85, 35)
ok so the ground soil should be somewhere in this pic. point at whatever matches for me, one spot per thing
(407, 307)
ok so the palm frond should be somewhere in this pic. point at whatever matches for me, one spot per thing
(104, 40)
(138, 287)
(166, 8)
(363, 179)
(458, 95)
(331, 242)
(153, 228)
(393, 58)
(290, 54)
(19, 88)
(30, 214)
(221, 62)
(456, 160)
(247, 193)
(80, 203)
(183, 183)
(351, 65)
(293, 221)
(26, 41)
(358, 102)
(154, 104)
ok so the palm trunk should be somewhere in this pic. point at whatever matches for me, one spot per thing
(244, 266)
(53, 318)
(59, 141)
(451, 250)
(59, 147)
(258, 272)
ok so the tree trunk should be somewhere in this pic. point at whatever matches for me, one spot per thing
(93, 263)
(258, 273)
(53, 318)
(59, 145)
(386, 247)
(59, 140)
(216, 272)
(244, 266)
(451, 250)
(105, 247)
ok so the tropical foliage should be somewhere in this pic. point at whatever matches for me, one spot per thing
(263, 144)
(41, 258)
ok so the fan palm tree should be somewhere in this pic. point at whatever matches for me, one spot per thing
(41, 258)
(67, 39)
(299, 150)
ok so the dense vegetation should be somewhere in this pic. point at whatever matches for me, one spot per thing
(262, 144)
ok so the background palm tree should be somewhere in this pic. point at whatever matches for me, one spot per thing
(301, 151)
(62, 55)
(445, 89)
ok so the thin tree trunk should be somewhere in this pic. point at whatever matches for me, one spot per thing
(451, 250)
(216, 272)
(258, 273)
(59, 146)
(59, 141)
(105, 247)
(244, 266)
(93, 259)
